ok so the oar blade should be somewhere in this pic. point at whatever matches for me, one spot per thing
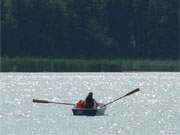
(46, 101)
(40, 101)
(132, 92)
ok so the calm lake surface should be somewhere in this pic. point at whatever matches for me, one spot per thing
(155, 110)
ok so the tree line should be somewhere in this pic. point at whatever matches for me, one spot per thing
(90, 28)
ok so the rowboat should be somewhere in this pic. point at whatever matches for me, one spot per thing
(79, 109)
(100, 110)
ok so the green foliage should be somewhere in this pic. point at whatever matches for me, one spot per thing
(82, 65)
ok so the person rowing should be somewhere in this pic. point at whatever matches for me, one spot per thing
(90, 102)
(88, 107)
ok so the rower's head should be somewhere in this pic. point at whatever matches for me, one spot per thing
(90, 94)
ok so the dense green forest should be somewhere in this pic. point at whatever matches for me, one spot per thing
(90, 29)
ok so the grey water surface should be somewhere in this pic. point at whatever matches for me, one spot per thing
(155, 110)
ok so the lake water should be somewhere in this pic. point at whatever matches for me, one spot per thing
(155, 110)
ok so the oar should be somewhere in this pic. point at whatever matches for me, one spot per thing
(130, 93)
(46, 102)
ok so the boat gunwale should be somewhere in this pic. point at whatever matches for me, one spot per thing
(100, 107)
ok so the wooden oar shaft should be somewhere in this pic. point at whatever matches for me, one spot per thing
(46, 102)
(136, 90)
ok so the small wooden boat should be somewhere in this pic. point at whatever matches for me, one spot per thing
(100, 110)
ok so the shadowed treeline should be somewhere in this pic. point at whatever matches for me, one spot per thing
(92, 65)
(89, 29)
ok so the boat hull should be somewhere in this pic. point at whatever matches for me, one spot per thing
(89, 112)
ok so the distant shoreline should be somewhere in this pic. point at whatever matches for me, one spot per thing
(87, 65)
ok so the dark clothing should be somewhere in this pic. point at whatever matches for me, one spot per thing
(89, 102)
